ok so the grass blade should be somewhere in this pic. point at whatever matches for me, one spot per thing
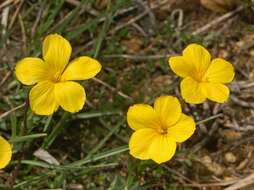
(209, 119)
(100, 156)
(89, 115)
(27, 137)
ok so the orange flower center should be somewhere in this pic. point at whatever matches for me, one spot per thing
(163, 130)
(199, 76)
(56, 77)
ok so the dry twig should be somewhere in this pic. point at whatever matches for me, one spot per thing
(8, 2)
(222, 183)
(249, 180)
(112, 88)
(5, 78)
(137, 57)
(12, 110)
(4, 21)
(241, 102)
(217, 21)
(16, 13)
(37, 20)
(136, 18)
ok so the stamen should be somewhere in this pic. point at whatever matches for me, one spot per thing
(163, 130)
(56, 77)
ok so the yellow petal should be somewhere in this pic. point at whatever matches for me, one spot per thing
(70, 96)
(81, 68)
(140, 142)
(216, 92)
(42, 98)
(31, 70)
(220, 71)
(5, 152)
(141, 116)
(168, 109)
(198, 56)
(56, 52)
(191, 91)
(182, 130)
(181, 67)
(162, 149)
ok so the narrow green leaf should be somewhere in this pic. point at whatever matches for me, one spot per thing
(209, 119)
(100, 156)
(71, 15)
(56, 7)
(88, 115)
(27, 137)
(56, 131)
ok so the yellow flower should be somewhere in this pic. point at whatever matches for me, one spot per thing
(158, 129)
(54, 77)
(203, 78)
(5, 153)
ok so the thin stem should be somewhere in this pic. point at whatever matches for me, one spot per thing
(57, 129)
(209, 118)
(10, 181)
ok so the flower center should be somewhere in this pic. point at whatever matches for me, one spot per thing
(199, 76)
(163, 130)
(56, 77)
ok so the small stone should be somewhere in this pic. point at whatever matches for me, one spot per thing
(231, 135)
(212, 166)
(230, 157)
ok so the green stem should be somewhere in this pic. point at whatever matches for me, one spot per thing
(56, 130)
(209, 119)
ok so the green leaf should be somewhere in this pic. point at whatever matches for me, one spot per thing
(27, 137)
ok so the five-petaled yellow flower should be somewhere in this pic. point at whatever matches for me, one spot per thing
(54, 77)
(158, 129)
(203, 77)
(5, 153)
